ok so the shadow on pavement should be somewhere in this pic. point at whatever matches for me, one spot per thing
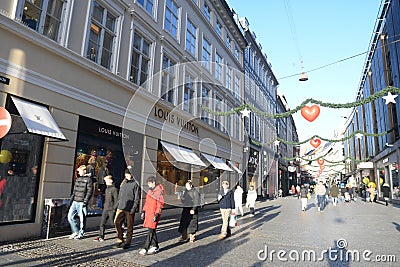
(338, 255)
(397, 226)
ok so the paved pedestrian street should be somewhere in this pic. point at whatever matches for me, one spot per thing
(280, 234)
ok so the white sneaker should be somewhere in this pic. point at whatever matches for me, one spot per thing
(152, 250)
(319, 209)
(73, 235)
(143, 252)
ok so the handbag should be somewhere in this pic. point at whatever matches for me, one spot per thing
(308, 195)
(233, 220)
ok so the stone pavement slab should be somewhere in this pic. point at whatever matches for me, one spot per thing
(349, 230)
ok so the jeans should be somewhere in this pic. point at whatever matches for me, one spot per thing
(77, 208)
(321, 201)
(335, 201)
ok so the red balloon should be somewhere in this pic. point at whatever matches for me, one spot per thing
(5, 122)
(310, 113)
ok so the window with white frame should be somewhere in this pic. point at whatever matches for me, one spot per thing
(148, 5)
(101, 37)
(228, 42)
(43, 16)
(236, 53)
(207, 12)
(218, 28)
(140, 59)
(206, 54)
(205, 102)
(168, 80)
(237, 87)
(218, 67)
(218, 108)
(228, 123)
(228, 79)
(191, 37)
(171, 21)
(189, 94)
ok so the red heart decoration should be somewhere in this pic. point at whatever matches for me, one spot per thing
(322, 167)
(320, 171)
(310, 113)
(321, 161)
(315, 142)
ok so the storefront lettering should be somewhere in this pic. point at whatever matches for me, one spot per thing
(385, 160)
(171, 118)
(113, 133)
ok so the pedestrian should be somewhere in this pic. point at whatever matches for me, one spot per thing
(80, 197)
(251, 200)
(293, 190)
(151, 214)
(110, 206)
(189, 218)
(372, 194)
(320, 191)
(303, 196)
(298, 188)
(227, 206)
(238, 196)
(386, 192)
(334, 194)
(128, 204)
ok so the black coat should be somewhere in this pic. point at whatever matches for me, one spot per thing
(227, 201)
(111, 198)
(83, 190)
(129, 196)
(190, 201)
(385, 191)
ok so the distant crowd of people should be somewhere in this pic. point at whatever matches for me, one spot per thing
(336, 192)
(120, 207)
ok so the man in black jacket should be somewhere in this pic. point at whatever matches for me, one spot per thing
(110, 205)
(83, 190)
(227, 206)
(128, 204)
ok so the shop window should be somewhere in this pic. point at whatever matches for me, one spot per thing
(20, 161)
(106, 150)
(175, 176)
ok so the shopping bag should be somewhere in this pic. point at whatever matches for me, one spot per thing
(233, 220)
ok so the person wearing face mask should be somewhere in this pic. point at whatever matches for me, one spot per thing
(189, 218)
(151, 214)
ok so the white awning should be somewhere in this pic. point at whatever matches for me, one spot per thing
(218, 163)
(182, 154)
(234, 167)
(38, 119)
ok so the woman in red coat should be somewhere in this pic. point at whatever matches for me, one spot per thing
(151, 213)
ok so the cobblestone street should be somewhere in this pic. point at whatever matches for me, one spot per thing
(360, 230)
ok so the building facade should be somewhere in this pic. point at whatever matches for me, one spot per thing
(376, 157)
(116, 84)
(260, 87)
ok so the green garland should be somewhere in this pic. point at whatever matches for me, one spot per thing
(360, 102)
(317, 136)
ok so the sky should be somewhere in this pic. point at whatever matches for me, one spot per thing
(317, 33)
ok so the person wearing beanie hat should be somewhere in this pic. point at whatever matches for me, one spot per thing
(128, 204)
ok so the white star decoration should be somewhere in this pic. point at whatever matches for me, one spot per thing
(245, 112)
(389, 98)
(348, 160)
(359, 135)
(276, 143)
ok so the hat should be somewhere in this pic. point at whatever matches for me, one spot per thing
(151, 179)
(127, 171)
